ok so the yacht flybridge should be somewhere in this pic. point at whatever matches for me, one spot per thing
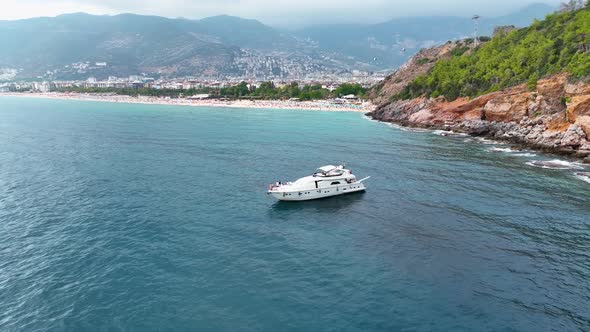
(326, 181)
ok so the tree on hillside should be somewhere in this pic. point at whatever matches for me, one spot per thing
(572, 5)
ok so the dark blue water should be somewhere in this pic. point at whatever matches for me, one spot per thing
(133, 217)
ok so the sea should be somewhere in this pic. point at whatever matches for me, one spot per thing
(122, 217)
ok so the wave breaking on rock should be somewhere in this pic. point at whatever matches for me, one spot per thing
(555, 164)
(584, 176)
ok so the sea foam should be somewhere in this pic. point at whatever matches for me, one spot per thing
(487, 141)
(584, 176)
(513, 152)
(496, 149)
(449, 133)
(525, 154)
(555, 164)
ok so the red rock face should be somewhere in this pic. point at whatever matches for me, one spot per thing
(584, 123)
(578, 106)
(510, 105)
(507, 108)
(552, 91)
(556, 116)
(576, 89)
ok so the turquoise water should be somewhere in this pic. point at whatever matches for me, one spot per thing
(134, 217)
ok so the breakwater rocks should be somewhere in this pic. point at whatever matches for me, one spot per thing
(554, 118)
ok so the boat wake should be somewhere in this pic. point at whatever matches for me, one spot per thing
(555, 164)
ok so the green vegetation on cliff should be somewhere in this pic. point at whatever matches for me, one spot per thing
(560, 43)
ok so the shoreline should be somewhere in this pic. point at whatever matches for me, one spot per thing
(320, 105)
(553, 119)
(576, 165)
(473, 129)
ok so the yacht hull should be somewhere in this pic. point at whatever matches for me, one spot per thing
(308, 195)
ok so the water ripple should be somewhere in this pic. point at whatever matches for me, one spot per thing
(135, 217)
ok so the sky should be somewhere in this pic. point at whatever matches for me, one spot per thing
(273, 12)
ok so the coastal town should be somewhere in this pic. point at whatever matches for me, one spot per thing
(327, 81)
(330, 93)
(324, 92)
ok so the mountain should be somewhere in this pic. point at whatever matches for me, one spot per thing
(390, 44)
(75, 46)
(70, 45)
(246, 33)
(128, 43)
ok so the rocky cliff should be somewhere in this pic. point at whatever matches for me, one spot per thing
(554, 117)
(530, 86)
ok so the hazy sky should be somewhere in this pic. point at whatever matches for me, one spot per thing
(274, 12)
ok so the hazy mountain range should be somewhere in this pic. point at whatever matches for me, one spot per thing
(79, 45)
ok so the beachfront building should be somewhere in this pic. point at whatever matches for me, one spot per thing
(187, 85)
(63, 84)
(41, 86)
(172, 85)
(20, 86)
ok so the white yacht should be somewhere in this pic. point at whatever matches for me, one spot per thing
(326, 181)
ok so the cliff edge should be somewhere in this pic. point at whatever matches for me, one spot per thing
(555, 117)
(510, 88)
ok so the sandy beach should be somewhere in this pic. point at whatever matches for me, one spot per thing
(318, 105)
